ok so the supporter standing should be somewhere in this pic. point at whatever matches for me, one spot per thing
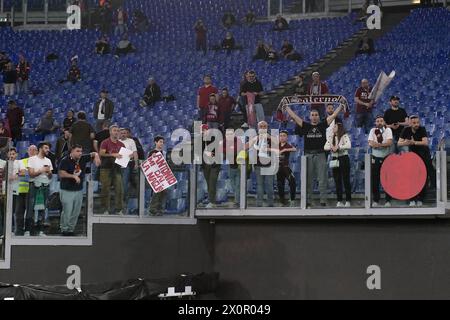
(110, 172)
(82, 133)
(339, 144)
(318, 88)
(314, 134)
(16, 120)
(284, 171)
(40, 170)
(203, 95)
(103, 110)
(415, 137)
(71, 171)
(158, 201)
(380, 140)
(23, 75)
(395, 118)
(364, 106)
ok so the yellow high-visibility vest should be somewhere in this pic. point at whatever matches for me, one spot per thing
(24, 182)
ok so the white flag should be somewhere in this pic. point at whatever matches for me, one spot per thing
(381, 84)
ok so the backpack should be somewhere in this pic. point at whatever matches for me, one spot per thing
(53, 202)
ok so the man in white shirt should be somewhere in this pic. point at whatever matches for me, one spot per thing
(18, 198)
(380, 140)
(40, 170)
(133, 165)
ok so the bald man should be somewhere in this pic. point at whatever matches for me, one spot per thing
(364, 106)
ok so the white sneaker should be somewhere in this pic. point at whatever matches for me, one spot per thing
(348, 204)
(412, 203)
(106, 213)
(120, 213)
(27, 234)
(292, 203)
(42, 234)
(210, 205)
(419, 203)
(387, 204)
(339, 205)
(375, 205)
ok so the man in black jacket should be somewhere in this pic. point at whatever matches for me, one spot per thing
(103, 110)
(152, 93)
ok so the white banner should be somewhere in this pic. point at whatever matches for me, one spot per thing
(158, 173)
(381, 84)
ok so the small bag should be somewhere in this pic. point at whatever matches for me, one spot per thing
(334, 163)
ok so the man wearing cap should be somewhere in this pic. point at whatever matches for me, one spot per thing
(364, 106)
(152, 93)
(103, 110)
(318, 88)
(415, 138)
(380, 140)
(396, 118)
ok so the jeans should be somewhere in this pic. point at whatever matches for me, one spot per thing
(8, 89)
(364, 120)
(263, 183)
(375, 176)
(317, 169)
(71, 204)
(235, 177)
(285, 173)
(211, 173)
(20, 204)
(108, 177)
(30, 224)
(341, 176)
(126, 174)
(22, 87)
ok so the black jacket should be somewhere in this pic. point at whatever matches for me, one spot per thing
(153, 92)
(109, 109)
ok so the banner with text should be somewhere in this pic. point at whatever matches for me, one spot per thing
(158, 173)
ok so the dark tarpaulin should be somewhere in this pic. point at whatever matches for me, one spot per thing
(136, 289)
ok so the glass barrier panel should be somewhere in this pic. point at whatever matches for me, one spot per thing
(57, 5)
(116, 190)
(292, 6)
(218, 186)
(35, 5)
(4, 166)
(50, 206)
(335, 180)
(172, 202)
(421, 197)
(314, 6)
(274, 7)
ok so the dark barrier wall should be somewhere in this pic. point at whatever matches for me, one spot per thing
(299, 259)
(119, 252)
(329, 259)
